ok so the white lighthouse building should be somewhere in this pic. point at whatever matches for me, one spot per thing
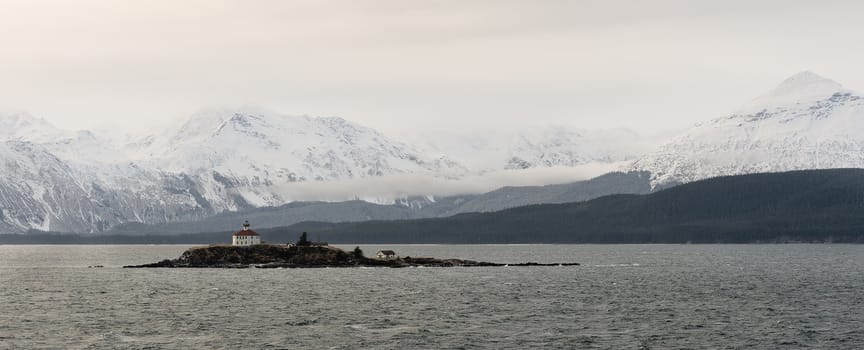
(245, 237)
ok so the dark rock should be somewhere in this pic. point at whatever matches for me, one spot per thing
(292, 256)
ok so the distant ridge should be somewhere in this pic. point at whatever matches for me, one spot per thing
(796, 206)
(408, 208)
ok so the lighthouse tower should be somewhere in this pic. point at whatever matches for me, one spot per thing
(245, 237)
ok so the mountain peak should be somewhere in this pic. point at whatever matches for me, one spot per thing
(19, 118)
(807, 82)
(23, 126)
(801, 88)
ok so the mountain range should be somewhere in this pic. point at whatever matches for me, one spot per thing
(221, 164)
(797, 206)
(217, 161)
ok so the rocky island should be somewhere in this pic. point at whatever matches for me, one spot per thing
(306, 256)
(247, 250)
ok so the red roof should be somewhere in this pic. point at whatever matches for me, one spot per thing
(245, 233)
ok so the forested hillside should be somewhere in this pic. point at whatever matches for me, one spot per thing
(815, 205)
(798, 206)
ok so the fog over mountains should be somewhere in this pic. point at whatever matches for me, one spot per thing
(238, 160)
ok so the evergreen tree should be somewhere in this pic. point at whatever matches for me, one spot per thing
(358, 253)
(303, 239)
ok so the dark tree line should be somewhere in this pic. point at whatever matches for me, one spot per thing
(798, 206)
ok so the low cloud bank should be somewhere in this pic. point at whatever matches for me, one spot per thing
(388, 188)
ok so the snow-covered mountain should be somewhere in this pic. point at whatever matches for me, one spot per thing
(226, 160)
(807, 122)
(41, 191)
(21, 126)
(550, 146)
(561, 146)
(245, 154)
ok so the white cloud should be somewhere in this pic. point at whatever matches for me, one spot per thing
(385, 189)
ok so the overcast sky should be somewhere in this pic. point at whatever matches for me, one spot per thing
(403, 65)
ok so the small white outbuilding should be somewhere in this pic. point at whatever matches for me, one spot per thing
(386, 254)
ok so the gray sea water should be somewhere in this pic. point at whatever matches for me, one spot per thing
(622, 297)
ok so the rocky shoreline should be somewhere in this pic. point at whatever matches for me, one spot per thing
(312, 256)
